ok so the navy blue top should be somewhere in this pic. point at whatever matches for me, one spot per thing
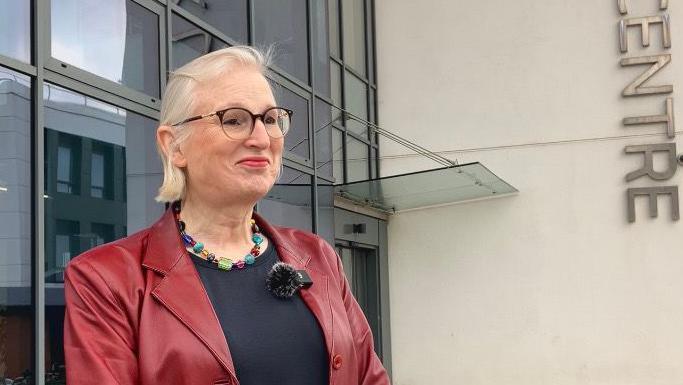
(271, 340)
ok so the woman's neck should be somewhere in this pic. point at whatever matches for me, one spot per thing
(225, 230)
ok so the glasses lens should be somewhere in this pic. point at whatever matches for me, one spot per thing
(237, 123)
(277, 121)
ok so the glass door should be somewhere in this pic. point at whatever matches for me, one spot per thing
(361, 265)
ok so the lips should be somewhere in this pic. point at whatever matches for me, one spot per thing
(254, 161)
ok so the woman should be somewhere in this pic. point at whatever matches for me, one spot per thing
(185, 300)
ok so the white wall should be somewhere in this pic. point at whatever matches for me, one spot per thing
(553, 285)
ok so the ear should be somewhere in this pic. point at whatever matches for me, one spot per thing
(166, 137)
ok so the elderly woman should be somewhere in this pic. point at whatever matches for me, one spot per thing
(185, 301)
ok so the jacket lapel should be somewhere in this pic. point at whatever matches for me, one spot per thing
(182, 293)
(181, 290)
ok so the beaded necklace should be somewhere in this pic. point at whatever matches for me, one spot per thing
(223, 263)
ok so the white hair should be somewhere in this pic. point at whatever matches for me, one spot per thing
(179, 103)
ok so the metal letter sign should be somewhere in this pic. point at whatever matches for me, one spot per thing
(648, 167)
(652, 193)
(644, 23)
(663, 4)
(667, 118)
(635, 87)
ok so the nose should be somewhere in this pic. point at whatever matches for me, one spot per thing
(259, 136)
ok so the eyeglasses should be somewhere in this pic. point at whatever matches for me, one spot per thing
(238, 123)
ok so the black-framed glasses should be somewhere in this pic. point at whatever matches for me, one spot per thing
(238, 123)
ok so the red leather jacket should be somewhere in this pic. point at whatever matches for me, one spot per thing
(137, 313)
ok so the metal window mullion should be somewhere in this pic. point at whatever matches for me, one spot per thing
(40, 48)
(251, 29)
(311, 119)
(340, 23)
(164, 50)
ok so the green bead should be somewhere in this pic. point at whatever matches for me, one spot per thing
(225, 263)
(249, 259)
(198, 247)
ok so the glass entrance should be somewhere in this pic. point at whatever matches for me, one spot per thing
(361, 265)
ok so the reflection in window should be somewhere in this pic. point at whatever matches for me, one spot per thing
(321, 53)
(333, 12)
(113, 151)
(230, 17)
(282, 23)
(323, 137)
(326, 211)
(357, 161)
(15, 29)
(67, 246)
(97, 175)
(190, 42)
(355, 101)
(289, 202)
(64, 166)
(354, 34)
(335, 83)
(296, 140)
(101, 233)
(338, 156)
(129, 31)
(16, 311)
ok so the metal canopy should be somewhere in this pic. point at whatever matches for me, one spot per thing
(440, 186)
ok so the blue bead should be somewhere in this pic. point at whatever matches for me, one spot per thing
(187, 239)
(249, 259)
(257, 239)
(198, 247)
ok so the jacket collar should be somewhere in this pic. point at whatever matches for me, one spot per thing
(182, 292)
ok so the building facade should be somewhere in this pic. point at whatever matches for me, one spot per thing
(555, 284)
(80, 83)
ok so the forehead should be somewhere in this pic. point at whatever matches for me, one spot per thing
(241, 87)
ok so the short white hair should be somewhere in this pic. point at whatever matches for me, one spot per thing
(179, 103)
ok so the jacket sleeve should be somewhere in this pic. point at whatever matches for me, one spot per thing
(371, 370)
(99, 344)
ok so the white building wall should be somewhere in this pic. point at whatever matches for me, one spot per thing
(553, 285)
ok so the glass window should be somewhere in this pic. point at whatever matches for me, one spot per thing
(335, 83)
(296, 140)
(283, 23)
(97, 175)
(356, 102)
(120, 177)
(115, 39)
(338, 156)
(326, 210)
(230, 17)
(15, 29)
(190, 42)
(371, 41)
(102, 233)
(374, 163)
(353, 16)
(16, 312)
(64, 166)
(323, 137)
(333, 12)
(321, 52)
(357, 160)
(289, 202)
